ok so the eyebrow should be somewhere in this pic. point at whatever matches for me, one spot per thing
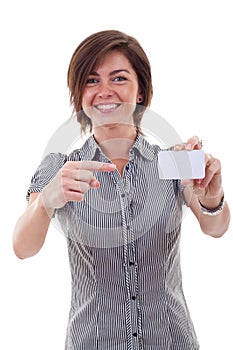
(116, 71)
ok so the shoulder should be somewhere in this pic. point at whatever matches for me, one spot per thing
(49, 166)
(53, 161)
(46, 171)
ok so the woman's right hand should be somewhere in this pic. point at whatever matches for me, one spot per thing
(72, 182)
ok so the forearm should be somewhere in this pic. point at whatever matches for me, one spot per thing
(215, 226)
(31, 229)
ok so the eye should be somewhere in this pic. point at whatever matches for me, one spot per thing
(92, 81)
(119, 78)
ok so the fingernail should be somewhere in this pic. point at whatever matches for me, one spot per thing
(189, 147)
(111, 166)
(95, 183)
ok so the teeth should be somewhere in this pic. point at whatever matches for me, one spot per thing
(108, 106)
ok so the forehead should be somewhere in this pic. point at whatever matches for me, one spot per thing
(114, 59)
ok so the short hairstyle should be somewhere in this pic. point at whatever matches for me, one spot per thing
(88, 55)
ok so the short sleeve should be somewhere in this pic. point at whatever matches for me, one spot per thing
(46, 171)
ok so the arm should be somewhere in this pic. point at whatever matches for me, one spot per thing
(71, 183)
(31, 228)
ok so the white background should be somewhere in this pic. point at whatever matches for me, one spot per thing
(189, 44)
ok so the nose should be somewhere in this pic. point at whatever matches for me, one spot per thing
(105, 90)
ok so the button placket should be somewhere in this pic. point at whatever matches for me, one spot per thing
(132, 264)
(132, 316)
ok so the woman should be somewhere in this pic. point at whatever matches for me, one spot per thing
(121, 221)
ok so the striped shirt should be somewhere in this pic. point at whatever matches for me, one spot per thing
(123, 241)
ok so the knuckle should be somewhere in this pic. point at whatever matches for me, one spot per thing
(69, 164)
(195, 138)
(90, 178)
(65, 195)
(84, 175)
(78, 173)
(83, 187)
(80, 164)
(64, 172)
(80, 198)
(79, 187)
(64, 187)
(212, 168)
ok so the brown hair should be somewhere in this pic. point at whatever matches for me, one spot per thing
(88, 55)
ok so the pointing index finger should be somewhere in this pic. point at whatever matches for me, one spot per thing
(95, 166)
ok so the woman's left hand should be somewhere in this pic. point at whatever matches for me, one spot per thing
(210, 185)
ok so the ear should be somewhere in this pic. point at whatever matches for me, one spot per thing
(139, 98)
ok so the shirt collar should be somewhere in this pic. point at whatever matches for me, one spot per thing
(147, 150)
(91, 149)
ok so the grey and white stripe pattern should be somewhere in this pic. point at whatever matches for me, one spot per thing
(123, 243)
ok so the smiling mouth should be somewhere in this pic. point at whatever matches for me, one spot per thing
(109, 107)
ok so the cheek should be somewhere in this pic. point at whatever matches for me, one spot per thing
(131, 94)
(86, 99)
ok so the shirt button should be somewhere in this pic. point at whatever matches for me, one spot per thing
(123, 195)
(128, 227)
(135, 334)
(133, 297)
(131, 263)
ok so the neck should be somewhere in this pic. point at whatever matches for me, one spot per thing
(116, 140)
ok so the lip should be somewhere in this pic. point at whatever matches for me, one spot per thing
(107, 107)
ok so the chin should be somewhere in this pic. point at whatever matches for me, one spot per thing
(110, 125)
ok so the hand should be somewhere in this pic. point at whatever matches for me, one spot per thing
(210, 186)
(72, 182)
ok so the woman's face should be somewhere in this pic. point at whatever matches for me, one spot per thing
(111, 91)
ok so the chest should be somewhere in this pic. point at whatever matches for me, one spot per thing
(120, 165)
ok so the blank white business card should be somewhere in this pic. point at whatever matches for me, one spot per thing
(181, 164)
